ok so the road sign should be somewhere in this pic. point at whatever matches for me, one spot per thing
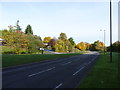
(41, 48)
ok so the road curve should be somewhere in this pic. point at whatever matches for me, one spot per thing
(60, 73)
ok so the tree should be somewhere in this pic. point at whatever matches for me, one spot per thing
(47, 39)
(28, 30)
(11, 28)
(68, 46)
(81, 46)
(34, 43)
(17, 26)
(97, 46)
(16, 41)
(60, 46)
(62, 36)
(52, 43)
(71, 41)
(63, 44)
(88, 45)
(115, 47)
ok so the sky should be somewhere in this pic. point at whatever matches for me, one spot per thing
(80, 20)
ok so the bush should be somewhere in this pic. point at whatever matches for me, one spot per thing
(7, 50)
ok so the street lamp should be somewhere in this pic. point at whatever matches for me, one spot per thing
(104, 41)
(110, 31)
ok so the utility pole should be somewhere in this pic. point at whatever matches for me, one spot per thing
(104, 41)
(110, 32)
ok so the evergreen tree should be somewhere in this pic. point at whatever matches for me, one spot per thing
(71, 41)
(28, 30)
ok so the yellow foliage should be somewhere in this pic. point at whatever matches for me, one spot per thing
(47, 39)
(81, 46)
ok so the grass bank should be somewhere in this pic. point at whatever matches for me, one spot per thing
(14, 60)
(104, 74)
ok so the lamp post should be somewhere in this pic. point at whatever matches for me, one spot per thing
(104, 41)
(110, 31)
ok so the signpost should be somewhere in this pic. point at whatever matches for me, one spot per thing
(42, 49)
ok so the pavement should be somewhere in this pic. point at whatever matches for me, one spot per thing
(60, 73)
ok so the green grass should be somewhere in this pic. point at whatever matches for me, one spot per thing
(14, 60)
(104, 74)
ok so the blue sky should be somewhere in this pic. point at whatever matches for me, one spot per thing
(80, 20)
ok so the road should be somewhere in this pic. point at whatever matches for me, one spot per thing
(61, 73)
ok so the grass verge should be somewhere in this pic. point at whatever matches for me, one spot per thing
(104, 74)
(14, 60)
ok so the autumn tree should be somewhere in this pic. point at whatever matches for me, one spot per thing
(115, 47)
(88, 45)
(68, 46)
(59, 46)
(17, 41)
(81, 46)
(28, 30)
(63, 44)
(47, 39)
(52, 43)
(62, 36)
(97, 46)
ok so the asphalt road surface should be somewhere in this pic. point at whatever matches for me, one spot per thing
(60, 73)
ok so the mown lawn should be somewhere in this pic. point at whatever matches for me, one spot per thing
(104, 74)
(14, 60)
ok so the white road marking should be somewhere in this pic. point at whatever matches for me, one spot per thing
(66, 63)
(41, 72)
(84, 65)
(50, 68)
(78, 70)
(58, 86)
(91, 60)
(94, 58)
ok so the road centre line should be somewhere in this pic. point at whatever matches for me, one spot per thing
(28, 67)
(41, 72)
(58, 86)
(78, 70)
(66, 63)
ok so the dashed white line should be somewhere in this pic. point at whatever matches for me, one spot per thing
(91, 60)
(58, 86)
(66, 63)
(94, 58)
(84, 66)
(78, 70)
(50, 68)
(41, 72)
